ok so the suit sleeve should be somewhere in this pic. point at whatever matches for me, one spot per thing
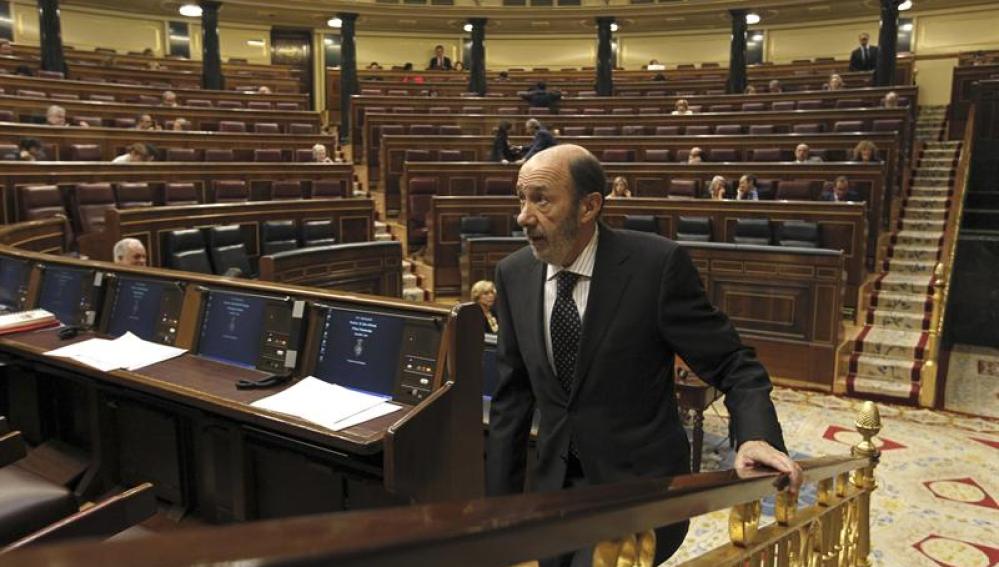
(855, 60)
(511, 410)
(706, 340)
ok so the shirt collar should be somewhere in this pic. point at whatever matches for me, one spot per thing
(583, 264)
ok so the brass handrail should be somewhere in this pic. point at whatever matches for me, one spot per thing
(932, 372)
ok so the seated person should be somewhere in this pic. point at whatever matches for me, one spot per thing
(415, 79)
(56, 116)
(890, 100)
(169, 98)
(747, 189)
(129, 252)
(775, 87)
(866, 151)
(6, 47)
(802, 154)
(696, 155)
(654, 62)
(541, 97)
(154, 66)
(502, 151)
(146, 122)
(659, 78)
(264, 90)
(681, 107)
(30, 149)
(503, 76)
(136, 153)
(717, 188)
(835, 82)
(484, 294)
(458, 66)
(750, 89)
(619, 189)
(542, 140)
(23, 71)
(439, 62)
(374, 66)
(148, 52)
(319, 154)
(180, 125)
(840, 192)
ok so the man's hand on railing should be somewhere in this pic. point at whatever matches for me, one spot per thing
(755, 454)
(636, 550)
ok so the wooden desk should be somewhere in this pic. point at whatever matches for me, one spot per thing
(374, 268)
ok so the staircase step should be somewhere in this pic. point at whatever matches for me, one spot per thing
(930, 191)
(898, 320)
(410, 280)
(921, 225)
(916, 238)
(887, 369)
(927, 201)
(414, 294)
(904, 266)
(903, 302)
(916, 213)
(903, 390)
(914, 252)
(904, 283)
(383, 237)
(407, 266)
(890, 343)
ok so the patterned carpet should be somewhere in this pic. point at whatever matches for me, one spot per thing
(936, 504)
(973, 381)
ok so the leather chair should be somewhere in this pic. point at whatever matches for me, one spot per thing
(42, 73)
(230, 191)
(299, 128)
(594, 111)
(767, 154)
(782, 106)
(849, 126)
(849, 103)
(258, 105)
(606, 131)
(101, 98)
(658, 155)
(328, 189)
(423, 130)
(618, 155)
(398, 92)
(798, 234)
(810, 104)
(667, 130)
(798, 190)
(29, 503)
(228, 251)
(278, 236)
(728, 130)
(185, 250)
(288, 106)
(449, 155)
(694, 229)
(30, 93)
(418, 155)
(266, 128)
(232, 126)
(808, 128)
(148, 100)
(267, 154)
(698, 130)
(420, 195)
(303, 155)
(649, 110)
(622, 111)
(766, 189)
(891, 125)
(472, 110)
(576, 131)
(85, 152)
(684, 188)
(498, 186)
(633, 130)
(129, 195)
(317, 233)
(723, 154)
(449, 130)
(39, 202)
(95, 121)
(752, 231)
(198, 102)
(219, 154)
(180, 194)
(474, 227)
(124, 122)
(91, 200)
(181, 154)
(286, 190)
(761, 129)
(536, 111)
(753, 107)
(230, 104)
(7, 116)
(439, 110)
(642, 223)
(721, 108)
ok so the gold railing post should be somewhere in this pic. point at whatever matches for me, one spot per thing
(744, 522)
(868, 424)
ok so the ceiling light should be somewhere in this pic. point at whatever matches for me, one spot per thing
(255, 42)
(190, 10)
(613, 27)
(907, 27)
(907, 5)
(752, 19)
(335, 23)
(757, 37)
(468, 28)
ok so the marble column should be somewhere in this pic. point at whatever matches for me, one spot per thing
(477, 73)
(605, 64)
(737, 54)
(50, 30)
(348, 71)
(211, 64)
(884, 75)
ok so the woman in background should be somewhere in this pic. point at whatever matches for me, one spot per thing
(717, 188)
(502, 151)
(619, 189)
(484, 294)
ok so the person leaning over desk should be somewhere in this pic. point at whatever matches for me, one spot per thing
(590, 318)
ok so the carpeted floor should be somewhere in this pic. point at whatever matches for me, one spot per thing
(973, 381)
(936, 504)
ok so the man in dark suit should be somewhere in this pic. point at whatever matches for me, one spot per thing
(542, 139)
(590, 318)
(541, 97)
(439, 62)
(865, 57)
(841, 192)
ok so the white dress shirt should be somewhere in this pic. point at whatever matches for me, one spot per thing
(583, 266)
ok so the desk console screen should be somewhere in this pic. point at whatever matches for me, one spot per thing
(14, 275)
(253, 331)
(149, 309)
(68, 293)
(384, 353)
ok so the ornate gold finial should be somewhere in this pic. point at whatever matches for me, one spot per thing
(938, 274)
(868, 424)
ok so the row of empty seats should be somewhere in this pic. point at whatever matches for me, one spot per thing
(234, 126)
(152, 100)
(222, 250)
(93, 152)
(618, 155)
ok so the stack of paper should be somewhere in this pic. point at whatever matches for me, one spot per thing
(127, 351)
(329, 405)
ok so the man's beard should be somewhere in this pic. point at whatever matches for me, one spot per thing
(556, 246)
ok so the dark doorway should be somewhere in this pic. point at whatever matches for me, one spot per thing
(293, 47)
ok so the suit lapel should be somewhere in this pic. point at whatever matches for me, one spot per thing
(606, 289)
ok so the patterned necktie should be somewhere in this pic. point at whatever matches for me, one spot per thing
(565, 328)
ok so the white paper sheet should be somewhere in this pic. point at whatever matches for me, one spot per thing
(328, 405)
(127, 351)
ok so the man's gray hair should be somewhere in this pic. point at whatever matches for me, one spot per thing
(532, 123)
(121, 247)
(54, 108)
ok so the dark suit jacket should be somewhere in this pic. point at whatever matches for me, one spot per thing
(851, 195)
(538, 98)
(645, 304)
(542, 140)
(433, 64)
(857, 59)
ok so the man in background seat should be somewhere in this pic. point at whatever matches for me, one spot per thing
(129, 252)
